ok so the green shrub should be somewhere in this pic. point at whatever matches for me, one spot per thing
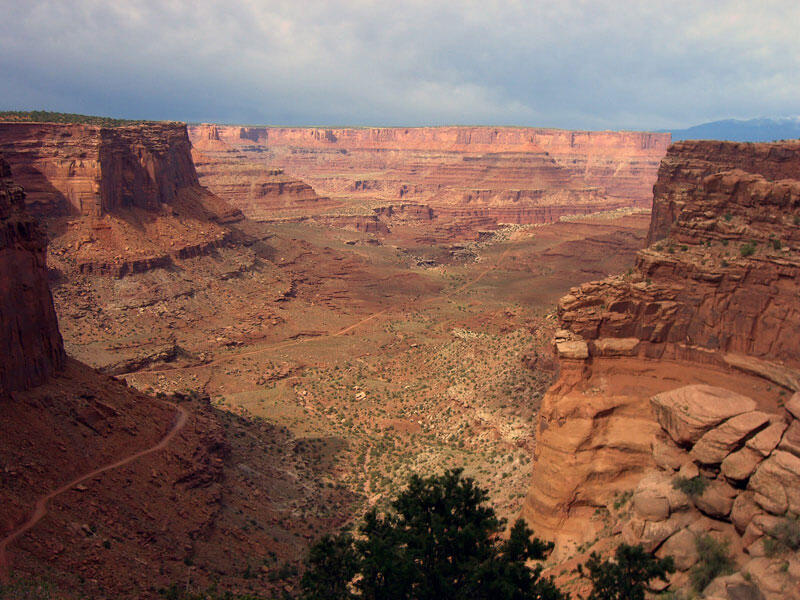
(776, 244)
(727, 216)
(784, 538)
(714, 561)
(747, 249)
(691, 486)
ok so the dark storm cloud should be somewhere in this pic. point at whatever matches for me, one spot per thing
(566, 63)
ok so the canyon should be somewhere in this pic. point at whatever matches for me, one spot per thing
(427, 183)
(332, 310)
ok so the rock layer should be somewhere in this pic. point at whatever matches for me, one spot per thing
(116, 200)
(30, 345)
(93, 170)
(713, 300)
(500, 175)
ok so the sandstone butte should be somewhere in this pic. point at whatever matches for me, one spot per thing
(120, 198)
(470, 178)
(711, 304)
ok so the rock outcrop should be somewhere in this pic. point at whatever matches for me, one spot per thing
(115, 200)
(711, 302)
(30, 346)
(91, 170)
(693, 496)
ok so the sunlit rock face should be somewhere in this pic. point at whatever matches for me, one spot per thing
(712, 300)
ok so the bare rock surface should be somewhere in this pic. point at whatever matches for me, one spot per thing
(687, 413)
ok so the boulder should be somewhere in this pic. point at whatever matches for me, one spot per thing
(575, 349)
(772, 578)
(766, 440)
(732, 587)
(655, 499)
(793, 405)
(686, 413)
(790, 442)
(689, 471)
(743, 510)
(650, 505)
(720, 441)
(667, 455)
(717, 500)
(776, 483)
(682, 547)
(652, 534)
(741, 464)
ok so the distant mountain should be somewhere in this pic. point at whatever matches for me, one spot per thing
(751, 130)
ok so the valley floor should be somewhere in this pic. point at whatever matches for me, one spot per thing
(426, 369)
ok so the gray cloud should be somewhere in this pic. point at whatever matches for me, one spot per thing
(570, 63)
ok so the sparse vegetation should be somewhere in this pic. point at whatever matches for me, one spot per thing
(747, 249)
(714, 560)
(46, 116)
(783, 538)
(28, 589)
(691, 486)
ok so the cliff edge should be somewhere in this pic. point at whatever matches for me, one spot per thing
(711, 301)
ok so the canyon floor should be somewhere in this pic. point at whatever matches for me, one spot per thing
(382, 363)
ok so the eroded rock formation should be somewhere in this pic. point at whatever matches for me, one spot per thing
(115, 200)
(712, 300)
(30, 347)
(93, 170)
(496, 175)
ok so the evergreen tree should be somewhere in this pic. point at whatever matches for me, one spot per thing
(628, 575)
(440, 540)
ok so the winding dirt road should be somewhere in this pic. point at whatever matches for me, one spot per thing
(40, 508)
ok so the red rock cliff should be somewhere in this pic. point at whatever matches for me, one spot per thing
(713, 301)
(512, 175)
(30, 343)
(92, 170)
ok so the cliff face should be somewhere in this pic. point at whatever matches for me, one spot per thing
(688, 163)
(713, 300)
(510, 175)
(91, 170)
(30, 346)
(115, 200)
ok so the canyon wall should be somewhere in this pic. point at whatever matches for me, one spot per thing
(92, 170)
(505, 175)
(712, 300)
(115, 200)
(30, 347)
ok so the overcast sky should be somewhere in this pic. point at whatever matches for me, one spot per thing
(576, 64)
